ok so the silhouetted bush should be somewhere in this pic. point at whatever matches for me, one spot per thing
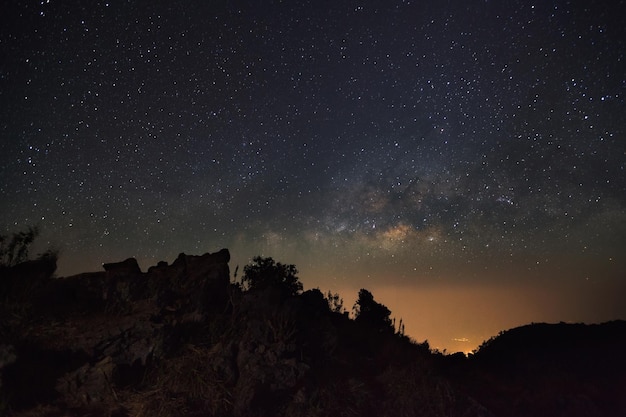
(266, 273)
(15, 249)
(372, 313)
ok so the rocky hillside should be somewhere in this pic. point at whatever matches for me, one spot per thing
(183, 340)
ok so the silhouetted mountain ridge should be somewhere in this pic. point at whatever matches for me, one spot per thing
(550, 369)
(544, 339)
(182, 339)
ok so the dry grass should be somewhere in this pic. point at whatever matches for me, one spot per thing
(182, 386)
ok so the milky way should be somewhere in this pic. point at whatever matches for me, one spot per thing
(391, 145)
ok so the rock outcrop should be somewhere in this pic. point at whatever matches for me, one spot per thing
(99, 330)
(126, 267)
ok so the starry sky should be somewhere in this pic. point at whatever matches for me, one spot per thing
(462, 160)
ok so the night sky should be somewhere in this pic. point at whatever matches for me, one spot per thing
(462, 160)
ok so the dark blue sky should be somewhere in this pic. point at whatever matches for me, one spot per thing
(396, 144)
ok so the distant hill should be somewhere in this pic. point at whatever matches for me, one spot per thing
(548, 369)
(185, 340)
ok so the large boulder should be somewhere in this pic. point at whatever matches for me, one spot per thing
(126, 267)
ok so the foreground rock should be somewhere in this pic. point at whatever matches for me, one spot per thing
(77, 340)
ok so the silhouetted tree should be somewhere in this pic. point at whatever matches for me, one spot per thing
(335, 302)
(372, 313)
(15, 249)
(314, 301)
(265, 273)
